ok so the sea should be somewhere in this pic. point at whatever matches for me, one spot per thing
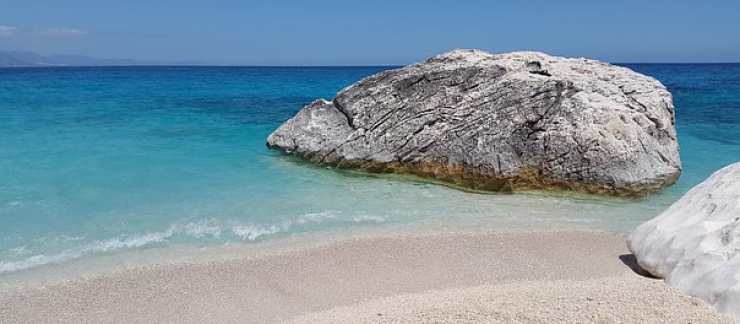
(97, 162)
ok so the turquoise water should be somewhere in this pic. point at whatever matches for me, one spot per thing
(98, 161)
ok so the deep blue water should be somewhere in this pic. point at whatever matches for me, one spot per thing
(101, 160)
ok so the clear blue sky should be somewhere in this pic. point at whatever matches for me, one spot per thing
(371, 32)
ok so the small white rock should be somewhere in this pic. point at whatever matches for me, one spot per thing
(695, 243)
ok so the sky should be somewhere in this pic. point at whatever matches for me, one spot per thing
(371, 32)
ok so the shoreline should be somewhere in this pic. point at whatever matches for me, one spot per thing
(345, 277)
(108, 264)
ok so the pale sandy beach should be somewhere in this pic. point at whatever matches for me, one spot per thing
(537, 277)
(369, 162)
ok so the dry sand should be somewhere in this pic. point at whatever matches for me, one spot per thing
(605, 300)
(560, 277)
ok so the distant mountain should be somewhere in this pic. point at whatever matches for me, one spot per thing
(31, 59)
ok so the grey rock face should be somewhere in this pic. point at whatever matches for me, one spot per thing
(521, 120)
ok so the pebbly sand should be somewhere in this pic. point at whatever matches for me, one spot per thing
(537, 277)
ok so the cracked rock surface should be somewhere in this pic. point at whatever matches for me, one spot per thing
(515, 121)
(694, 244)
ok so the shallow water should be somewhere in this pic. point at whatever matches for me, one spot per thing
(99, 161)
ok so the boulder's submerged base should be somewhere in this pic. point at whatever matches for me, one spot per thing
(695, 244)
(513, 121)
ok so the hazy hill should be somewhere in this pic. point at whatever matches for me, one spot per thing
(31, 59)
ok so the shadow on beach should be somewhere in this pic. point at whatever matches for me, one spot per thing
(631, 261)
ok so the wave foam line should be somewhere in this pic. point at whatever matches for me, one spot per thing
(208, 228)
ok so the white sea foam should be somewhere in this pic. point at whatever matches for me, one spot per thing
(368, 218)
(193, 230)
(253, 232)
(316, 217)
(201, 229)
(80, 251)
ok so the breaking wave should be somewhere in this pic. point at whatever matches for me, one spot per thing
(193, 230)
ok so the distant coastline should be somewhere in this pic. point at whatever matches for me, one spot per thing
(13, 59)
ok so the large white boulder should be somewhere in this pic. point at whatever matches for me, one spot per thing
(695, 244)
(515, 121)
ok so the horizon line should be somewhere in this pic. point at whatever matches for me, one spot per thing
(305, 66)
